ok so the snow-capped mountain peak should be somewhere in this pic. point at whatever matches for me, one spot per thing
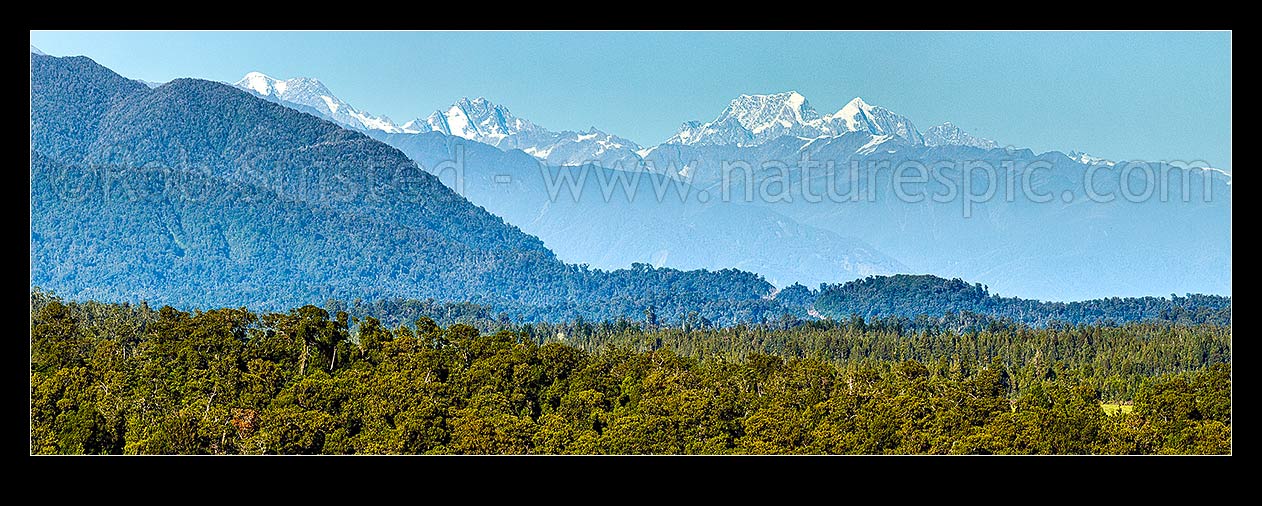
(947, 134)
(260, 83)
(859, 116)
(856, 104)
(770, 113)
(288, 89)
(754, 111)
(310, 92)
(852, 115)
(305, 90)
(750, 120)
(1087, 159)
(484, 121)
(476, 119)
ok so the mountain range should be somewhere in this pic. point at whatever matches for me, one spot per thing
(357, 206)
(1057, 250)
(198, 194)
(589, 229)
(749, 120)
(478, 120)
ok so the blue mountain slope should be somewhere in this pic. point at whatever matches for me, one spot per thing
(69, 96)
(610, 218)
(1050, 240)
(199, 194)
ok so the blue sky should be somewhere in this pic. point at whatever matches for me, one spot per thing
(1120, 95)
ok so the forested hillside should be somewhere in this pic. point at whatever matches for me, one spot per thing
(911, 296)
(198, 194)
(117, 378)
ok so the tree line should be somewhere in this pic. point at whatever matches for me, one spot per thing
(127, 378)
(908, 296)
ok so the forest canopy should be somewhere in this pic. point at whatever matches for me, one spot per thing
(124, 378)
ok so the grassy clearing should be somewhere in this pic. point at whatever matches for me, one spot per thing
(1112, 408)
